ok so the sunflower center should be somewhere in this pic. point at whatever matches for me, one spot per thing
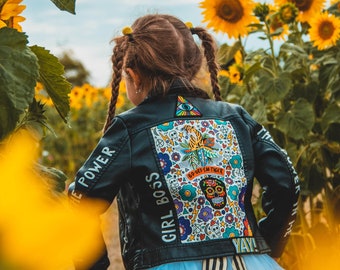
(326, 30)
(230, 10)
(303, 5)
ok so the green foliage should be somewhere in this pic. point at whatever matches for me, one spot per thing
(67, 5)
(51, 75)
(21, 68)
(75, 72)
(18, 75)
(298, 121)
(295, 94)
(73, 143)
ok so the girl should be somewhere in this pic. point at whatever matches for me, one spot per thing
(182, 165)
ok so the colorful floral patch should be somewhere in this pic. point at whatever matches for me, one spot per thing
(203, 166)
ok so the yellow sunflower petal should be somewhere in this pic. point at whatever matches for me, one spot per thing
(2, 24)
(229, 16)
(15, 22)
(11, 10)
(223, 73)
(325, 30)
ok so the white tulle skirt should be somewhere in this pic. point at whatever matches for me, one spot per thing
(244, 262)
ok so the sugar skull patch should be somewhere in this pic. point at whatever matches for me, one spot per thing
(203, 167)
(214, 191)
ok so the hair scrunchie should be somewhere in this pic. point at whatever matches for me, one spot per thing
(191, 27)
(127, 30)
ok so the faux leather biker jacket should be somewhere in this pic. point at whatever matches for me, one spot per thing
(182, 169)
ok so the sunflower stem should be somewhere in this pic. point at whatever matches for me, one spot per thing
(271, 44)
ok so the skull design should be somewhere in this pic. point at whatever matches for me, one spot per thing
(215, 192)
(213, 230)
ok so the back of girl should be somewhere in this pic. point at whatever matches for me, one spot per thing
(181, 164)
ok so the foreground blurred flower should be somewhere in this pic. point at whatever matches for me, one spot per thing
(9, 14)
(324, 31)
(307, 8)
(38, 231)
(229, 16)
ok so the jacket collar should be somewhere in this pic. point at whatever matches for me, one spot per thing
(178, 87)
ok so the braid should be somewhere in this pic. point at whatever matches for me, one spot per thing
(117, 65)
(209, 53)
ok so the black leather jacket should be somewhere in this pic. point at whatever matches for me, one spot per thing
(182, 170)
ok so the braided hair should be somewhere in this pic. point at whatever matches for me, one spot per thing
(160, 49)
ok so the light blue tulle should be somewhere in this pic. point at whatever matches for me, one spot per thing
(252, 262)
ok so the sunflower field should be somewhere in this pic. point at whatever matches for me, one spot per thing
(48, 126)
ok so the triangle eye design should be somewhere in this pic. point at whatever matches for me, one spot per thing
(185, 108)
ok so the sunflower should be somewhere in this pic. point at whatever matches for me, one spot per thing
(235, 75)
(324, 31)
(278, 29)
(229, 16)
(9, 14)
(307, 8)
(288, 12)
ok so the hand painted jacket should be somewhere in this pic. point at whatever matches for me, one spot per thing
(182, 170)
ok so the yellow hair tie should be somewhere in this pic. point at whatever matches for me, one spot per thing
(127, 30)
(189, 25)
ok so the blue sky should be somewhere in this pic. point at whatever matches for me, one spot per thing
(87, 34)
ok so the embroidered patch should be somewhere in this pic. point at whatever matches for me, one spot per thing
(245, 245)
(185, 108)
(203, 166)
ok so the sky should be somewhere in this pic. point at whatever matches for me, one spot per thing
(87, 34)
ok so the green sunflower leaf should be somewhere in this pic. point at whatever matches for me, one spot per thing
(67, 5)
(274, 88)
(51, 75)
(18, 76)
(330, 116)
(226, 53)
(298, 121)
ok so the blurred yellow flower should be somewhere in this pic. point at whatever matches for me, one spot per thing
(9, 14)
(122, 87)
(238, 57)
(120, 102)
(235, 74)
(307, 8)
(223, 73)
(88, 95)
(229, 16)
(37, 230)
(40, 94)
(325, 30)
(107, 93)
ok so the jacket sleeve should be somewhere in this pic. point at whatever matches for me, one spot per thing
(98, 181)
(102, 173)
(275, 173)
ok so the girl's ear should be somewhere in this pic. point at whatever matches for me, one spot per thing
(135, 77)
